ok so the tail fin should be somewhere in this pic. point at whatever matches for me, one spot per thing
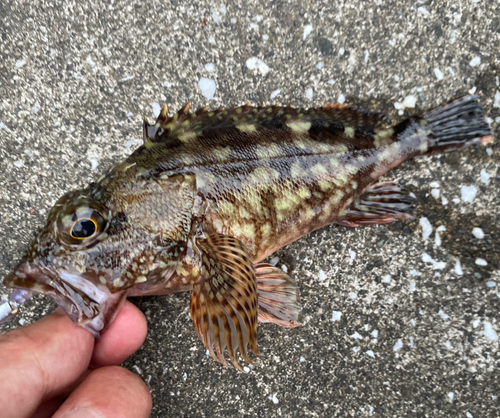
(456, 125)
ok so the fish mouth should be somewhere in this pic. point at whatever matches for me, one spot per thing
(81, 299)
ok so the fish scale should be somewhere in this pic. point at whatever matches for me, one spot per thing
(210, 194)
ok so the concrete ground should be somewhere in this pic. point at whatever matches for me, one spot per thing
(388, 331)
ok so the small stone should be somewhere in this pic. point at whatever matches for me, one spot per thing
(207, 87)
(438, 73)
(478, 233)
(481, 262)
(341, 99)
(475, 61)
(489, 332)
(336, 315)
(307, 31)
(468, 193)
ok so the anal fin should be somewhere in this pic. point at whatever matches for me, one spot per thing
(383, 203)
(278, 296)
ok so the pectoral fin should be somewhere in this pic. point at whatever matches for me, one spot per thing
(278, 296)
(224, 303)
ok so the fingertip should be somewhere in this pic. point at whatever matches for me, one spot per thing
(124, 337)
(109, 392)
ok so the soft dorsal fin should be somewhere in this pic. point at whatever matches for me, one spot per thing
(186, 126)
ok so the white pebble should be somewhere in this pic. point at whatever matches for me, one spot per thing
(215, 16)
(386, 278)
(274, 398)
(265, 37)
(90, 61)
(353, 295)
(497, 99)
(468, 415)
(18, 163)
(36, 108)
(435, 193)
(398, 346)
(370, 353)
(444, 201)
(491, 284)
(375, 333)
(246, 369)
(478, 233)
(275, 93)
(357, 335)
(476, 323)
(413, 285)
(156, 109)
(435, 184)
(302, 359)
(284, 268)
(320, 65)
(485, 176)
(94, 163)
(443, 315)
(481, 262)
(474, 62)
(409, 101)
(207, 87)
(255, 63)
(20, 63)
(489, 332)
(451, 395)
(309, 93)
(423, 11)
(341, 99)
(209, 67)
(436, 265)
(458, 268)
(367, 54)
(274, 261)
(426, 228)
(352, 254)
(22, 322)
(438, 73)
(307, 31)
(336, 315)
(468, 193)
(322, 275)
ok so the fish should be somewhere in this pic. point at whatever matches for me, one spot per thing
(210, 194)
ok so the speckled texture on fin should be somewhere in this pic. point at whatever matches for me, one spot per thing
(224, 303)
(278, 296)
(188, 126)
(383, 203)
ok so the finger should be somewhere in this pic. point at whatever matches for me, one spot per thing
(109, 392)
(40, 360)
(124, 337)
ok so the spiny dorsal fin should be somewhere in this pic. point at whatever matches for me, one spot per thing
(187, 126)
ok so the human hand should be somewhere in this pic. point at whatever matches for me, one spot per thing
(55, 365)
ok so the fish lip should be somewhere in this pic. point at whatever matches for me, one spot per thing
(67, 288)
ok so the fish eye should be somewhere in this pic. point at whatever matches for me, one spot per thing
(83, 228)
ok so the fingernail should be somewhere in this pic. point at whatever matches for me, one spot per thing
(82, 413)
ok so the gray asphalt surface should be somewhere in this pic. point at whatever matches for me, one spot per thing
(384, 334)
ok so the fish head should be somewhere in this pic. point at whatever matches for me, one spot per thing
(89, 254)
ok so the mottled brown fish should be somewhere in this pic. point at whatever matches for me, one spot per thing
(211, 194)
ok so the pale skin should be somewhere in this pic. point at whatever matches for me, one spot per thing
(54, 368)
